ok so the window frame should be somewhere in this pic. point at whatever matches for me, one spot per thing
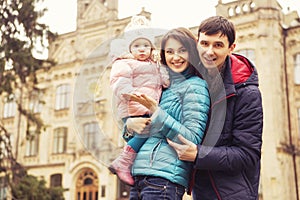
(32, 146)
(90, 133)
(62, 96)
(298, 122)
(59, 140)
(248, 53)
(56, 180)
(9, 109)
(297, 68)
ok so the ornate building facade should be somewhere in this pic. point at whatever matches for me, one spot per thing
(82, 135)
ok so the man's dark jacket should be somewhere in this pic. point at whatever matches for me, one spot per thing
(228, 160)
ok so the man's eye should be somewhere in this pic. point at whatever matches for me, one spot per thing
(218, 45)
(203, 43)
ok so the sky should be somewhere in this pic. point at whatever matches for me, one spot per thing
(61, 14)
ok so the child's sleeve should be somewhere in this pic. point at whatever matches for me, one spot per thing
(121, 78)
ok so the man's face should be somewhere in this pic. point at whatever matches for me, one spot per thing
(213, 50)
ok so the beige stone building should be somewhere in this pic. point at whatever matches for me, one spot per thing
(82, 134)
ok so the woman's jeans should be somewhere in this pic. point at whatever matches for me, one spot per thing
(155, 188)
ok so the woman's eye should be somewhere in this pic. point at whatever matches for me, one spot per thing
(181, 51)
(169, 51)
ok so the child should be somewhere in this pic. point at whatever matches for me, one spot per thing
(136, 75)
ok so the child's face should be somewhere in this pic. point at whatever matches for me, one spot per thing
(141, 49)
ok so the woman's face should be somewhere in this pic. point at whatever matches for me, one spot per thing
(176, 55)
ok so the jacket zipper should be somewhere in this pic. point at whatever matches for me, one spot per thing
(154, 152)
(214, 186)
(209, 173)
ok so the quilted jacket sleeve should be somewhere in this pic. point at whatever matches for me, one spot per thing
(121, 78)
(195, 107)
(245, 146)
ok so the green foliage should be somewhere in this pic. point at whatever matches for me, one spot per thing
(20, 33)
(30, 188)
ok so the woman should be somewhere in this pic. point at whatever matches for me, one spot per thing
(183, 108)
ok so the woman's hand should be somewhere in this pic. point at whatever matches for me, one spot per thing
(139, 125)
(186, 151)
(143, 99)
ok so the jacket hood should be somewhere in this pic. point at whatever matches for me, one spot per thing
(242, 70)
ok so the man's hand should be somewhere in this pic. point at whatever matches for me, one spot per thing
(186, 151)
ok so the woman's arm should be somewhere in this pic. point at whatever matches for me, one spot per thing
(195, 107)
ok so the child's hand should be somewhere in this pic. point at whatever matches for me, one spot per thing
(143, 99)
(166, 84)
(155, 55)
(139, 125)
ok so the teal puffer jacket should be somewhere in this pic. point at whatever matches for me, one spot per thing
(184, 108)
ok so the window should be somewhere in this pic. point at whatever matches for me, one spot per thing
(87, 185)
(56, 180)
(9, 109)
(248, 53)
(60, 140)
(3, 188)
(32, 146)
(297, 69)
(103, 190)
(5, 141)
(299, 123)
(62, 97)
(35, 104)
(91, 135)
(123, 190)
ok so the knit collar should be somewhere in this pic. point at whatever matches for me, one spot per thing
(176, 77)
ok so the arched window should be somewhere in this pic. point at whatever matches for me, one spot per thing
(87, 185)
(62, 97)
(297, 69)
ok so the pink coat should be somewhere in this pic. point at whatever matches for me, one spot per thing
(136, 77)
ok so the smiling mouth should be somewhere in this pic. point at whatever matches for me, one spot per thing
(178, 64)
(210, 60)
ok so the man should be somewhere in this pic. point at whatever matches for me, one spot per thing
(227, 163)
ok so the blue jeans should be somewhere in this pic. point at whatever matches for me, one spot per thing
(150, 187)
